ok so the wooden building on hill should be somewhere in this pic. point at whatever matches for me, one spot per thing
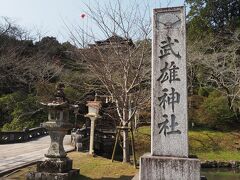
(114, 41)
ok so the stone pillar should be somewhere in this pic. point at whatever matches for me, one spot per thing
(56, 147)
(91, 145)
(169, 122)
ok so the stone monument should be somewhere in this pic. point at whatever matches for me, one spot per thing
(56, 164)
(169, 122)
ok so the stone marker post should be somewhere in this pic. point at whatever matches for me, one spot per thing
(169, 122)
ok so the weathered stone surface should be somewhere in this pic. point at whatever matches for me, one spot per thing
(56, 147)
(53, 176)
(55, 165)
(169, 84)
(169, 122)
(168, 168)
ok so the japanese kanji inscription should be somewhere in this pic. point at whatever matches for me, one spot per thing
(169, 83)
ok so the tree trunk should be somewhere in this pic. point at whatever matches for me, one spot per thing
(126, 154)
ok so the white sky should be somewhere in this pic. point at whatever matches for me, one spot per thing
(47, 16)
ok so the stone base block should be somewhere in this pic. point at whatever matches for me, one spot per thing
(168, 168)
(53, 176)
(55, 165)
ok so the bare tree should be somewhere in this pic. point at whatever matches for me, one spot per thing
(216, 62)
(20, 64)
(122, 61)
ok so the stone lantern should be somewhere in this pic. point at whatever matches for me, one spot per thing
(56, 164)
(93, 114)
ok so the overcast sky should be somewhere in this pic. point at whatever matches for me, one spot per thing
(47, 16)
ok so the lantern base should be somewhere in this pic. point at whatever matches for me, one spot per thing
(55, 165)
(54, 168)
(56, 176)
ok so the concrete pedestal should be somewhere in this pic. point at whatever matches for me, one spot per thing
(168, 168)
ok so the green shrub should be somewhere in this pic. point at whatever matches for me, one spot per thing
(7, 103)
(72, 94)
(194, 103)
(21, 110)
(215, 112)
(204, 91)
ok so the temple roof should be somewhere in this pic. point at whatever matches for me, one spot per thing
(114, 39)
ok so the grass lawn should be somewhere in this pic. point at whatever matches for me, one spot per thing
(206, 144)
(101, 168)
(90, 168)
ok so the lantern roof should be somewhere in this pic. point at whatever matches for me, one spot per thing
(60, 101)
(94, 104)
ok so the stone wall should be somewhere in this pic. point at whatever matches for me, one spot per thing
(220, 164)
(21, 136)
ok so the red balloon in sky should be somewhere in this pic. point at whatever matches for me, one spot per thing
(83, 15)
